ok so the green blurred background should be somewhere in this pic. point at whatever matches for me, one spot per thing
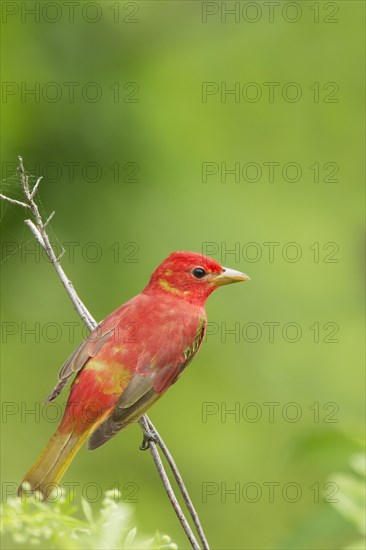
(137, 193)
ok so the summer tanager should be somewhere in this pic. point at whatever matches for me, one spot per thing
(130, 360)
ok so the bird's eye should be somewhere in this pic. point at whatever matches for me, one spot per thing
(198, 272)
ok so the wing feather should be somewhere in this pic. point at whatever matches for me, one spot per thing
(78, 359)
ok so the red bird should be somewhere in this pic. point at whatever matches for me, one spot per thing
(130, 360)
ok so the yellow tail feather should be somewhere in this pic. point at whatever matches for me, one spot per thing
(47, 471)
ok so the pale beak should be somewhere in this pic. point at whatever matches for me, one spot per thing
(229, 276)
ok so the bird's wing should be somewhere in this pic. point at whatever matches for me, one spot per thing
(89, 348)
(144, 388)
(78, 359)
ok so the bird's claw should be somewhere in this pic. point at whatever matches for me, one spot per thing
(148, 436)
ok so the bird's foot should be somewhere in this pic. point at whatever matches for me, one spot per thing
(147, 438)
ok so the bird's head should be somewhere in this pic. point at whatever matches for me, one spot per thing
(192, 276)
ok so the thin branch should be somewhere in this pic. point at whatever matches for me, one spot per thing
(39, 231)
(35, 232)
(34, 191)
(13, 201)
(180, 482)
(144, 423)
(49, 219)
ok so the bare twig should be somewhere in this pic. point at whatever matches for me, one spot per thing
(38, 229)
(179, 480)
(144, 423)
(13, 201)
(34, 191)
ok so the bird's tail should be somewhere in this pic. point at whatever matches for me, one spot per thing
(47, 471)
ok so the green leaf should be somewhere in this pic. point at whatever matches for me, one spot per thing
(87, 510)
(32, 522)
